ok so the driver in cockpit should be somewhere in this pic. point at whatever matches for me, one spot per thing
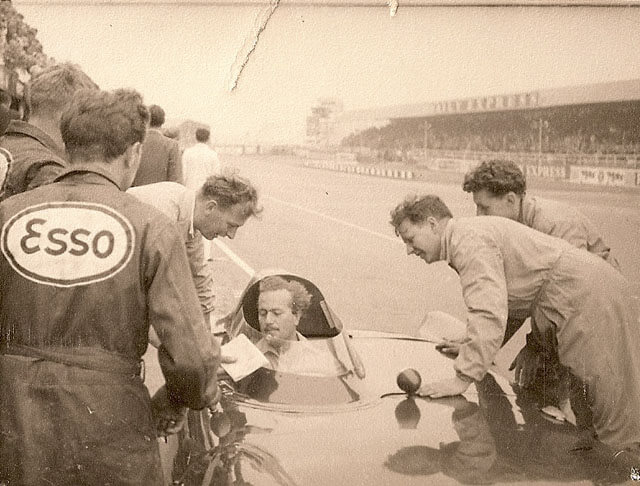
(281, 305)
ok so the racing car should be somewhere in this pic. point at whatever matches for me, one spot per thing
(348, 422)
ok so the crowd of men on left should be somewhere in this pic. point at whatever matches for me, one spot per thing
(90, 275)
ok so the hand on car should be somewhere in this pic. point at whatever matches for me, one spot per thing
(449, 347)
(526, 365)
(168, 419)
(444, 388)
(222, 374)
(228, 359)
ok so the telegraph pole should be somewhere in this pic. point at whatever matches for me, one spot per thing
(426, 127)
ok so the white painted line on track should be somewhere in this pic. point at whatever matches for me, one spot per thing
(336, 220)
(235, 258)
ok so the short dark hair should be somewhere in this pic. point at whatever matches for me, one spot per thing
(171, 132)
(499, 177)
(230, 189)
(417, 209)
(54, 87)
(300, 296)
(202, 134)
(103, 124)
(156, 116)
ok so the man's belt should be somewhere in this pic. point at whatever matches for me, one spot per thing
(81, 357)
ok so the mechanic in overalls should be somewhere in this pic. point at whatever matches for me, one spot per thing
(86, 269)
(504, 265)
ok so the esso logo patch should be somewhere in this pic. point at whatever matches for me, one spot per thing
(65, 244)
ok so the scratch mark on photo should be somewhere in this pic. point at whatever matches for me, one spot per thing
(250, 43)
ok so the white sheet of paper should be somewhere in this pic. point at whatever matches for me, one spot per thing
(248, 357)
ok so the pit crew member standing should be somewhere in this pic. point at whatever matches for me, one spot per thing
(160, 155)
(200, 161)
(85, 270)
(36, 147)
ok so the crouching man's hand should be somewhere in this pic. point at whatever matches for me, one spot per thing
(168, 419)
(526, 365)
(222, 374)
(450, 347)
(445, 388)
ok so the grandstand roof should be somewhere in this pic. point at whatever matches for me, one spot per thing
(614, 91)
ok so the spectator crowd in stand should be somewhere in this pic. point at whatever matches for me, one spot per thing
(594, 130)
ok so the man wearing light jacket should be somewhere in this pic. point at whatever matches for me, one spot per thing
(220, 206)
(504, 265)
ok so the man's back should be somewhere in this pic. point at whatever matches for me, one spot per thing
(199, 162)
(511, 252)
(116, 244)
(562, 221)
(37, 160)
(86, 269)
(160, 160)
(173, 200)
(177, 203)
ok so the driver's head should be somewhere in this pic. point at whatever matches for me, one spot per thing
(281, 303)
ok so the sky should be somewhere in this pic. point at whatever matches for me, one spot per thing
(180, 55)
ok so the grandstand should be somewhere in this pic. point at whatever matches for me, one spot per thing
(592, 125)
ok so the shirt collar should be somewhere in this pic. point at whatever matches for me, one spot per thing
(92, 170)
(444, 248)
(192, 212)
(525, 209)
(266, 347)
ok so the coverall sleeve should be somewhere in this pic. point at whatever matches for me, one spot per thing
(201, 272)
(188, 355)
(481, 269)
(174, 167)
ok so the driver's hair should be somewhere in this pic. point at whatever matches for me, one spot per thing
(300, 297)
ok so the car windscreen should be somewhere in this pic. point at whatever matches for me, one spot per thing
(306, 372)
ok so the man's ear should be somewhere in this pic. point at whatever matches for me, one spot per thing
(432, 222)
(211, 204)
(512, 198)
(132, 154)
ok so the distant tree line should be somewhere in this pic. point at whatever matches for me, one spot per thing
(20, 46)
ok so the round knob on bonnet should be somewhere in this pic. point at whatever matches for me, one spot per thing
(409, 381)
